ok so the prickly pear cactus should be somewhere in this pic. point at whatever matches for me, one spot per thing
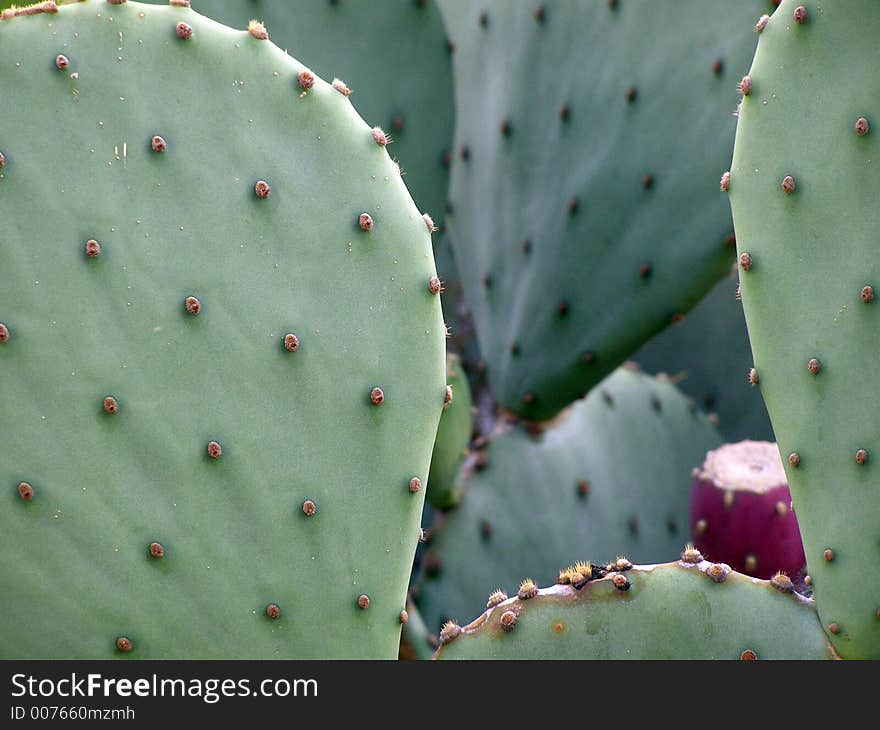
(222, 363)
(394, 58)
(453, 437)
(584, 190)
(677, 610)
(613, 474)
(708, 355)
(803, 188)
(741, 511)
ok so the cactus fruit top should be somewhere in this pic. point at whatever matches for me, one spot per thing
(740, 511)
(667, 611)
(236, 532)
(814, 252)
(590, 137)
(611, 474)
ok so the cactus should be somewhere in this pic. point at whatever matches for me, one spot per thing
(583, 190)
(402, 85)
(222, 362)
(612, 474)
(707, 355)
(679, 610)
(740, 511)
(459, 322)
(453, 437)
(803, 190)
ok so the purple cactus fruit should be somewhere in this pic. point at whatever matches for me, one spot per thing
(741, 511)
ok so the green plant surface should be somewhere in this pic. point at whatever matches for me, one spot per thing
(708, 356)
(586, 214)
(307, 509)
(803, 188)
(667, 611)
(391, 54)
(613, 474)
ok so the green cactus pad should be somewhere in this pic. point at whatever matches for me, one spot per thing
(453, 437)
(813, 115)
(403, 85)
(709, 356)
(393, 56)
(267, 550)
(612, 475)
(667, 611)
(585, 182)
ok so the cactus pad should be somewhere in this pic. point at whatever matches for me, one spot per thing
(804, 189)
(393, 57)
(612, 475)
(224, 363)
(668, 611)
(585, 187)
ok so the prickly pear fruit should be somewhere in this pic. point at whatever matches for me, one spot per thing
(804, 189)
(680, 610)
(741, 511)
(277, 365)
(418, 641)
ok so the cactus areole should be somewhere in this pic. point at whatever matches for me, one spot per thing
(134, 536)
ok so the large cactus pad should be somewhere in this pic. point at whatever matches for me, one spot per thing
(804, 191)
(222, 363)
(586, 212)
